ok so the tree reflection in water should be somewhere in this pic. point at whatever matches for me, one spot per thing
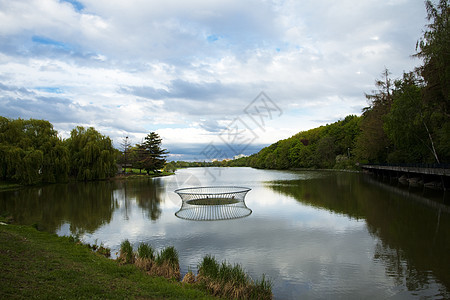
(148, 194)
(85, 206)
(413, 231)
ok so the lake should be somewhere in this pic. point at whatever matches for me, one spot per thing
(315, 234)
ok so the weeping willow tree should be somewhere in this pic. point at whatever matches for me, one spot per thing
(92, 155)
(31, 152)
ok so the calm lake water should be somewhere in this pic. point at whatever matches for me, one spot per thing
(315, 234)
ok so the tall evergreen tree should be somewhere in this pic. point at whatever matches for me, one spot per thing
(126, 149)
(150, 155)
(372, 143)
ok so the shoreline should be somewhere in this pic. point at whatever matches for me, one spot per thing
(40, 264)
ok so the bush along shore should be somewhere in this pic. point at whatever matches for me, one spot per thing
(220, 279)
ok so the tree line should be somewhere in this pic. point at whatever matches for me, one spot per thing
(31, 152)
(407, 120)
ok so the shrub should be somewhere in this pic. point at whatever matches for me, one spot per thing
(231, 281)
(126, 253)
(168, 255)
(145, 251)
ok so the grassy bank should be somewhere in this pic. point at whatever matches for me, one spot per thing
(4, 185)
(134, 173)
(8, 185)
(36, 264)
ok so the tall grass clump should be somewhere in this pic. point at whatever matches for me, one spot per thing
(167, 263)
(168, 255)
(145, 251)
(126, 255)
(189, 278)
(231, 281)
(145, 257)
(262, 289)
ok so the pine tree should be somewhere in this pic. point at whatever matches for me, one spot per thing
(151, 156)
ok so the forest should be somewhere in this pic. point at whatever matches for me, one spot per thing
(407, 119)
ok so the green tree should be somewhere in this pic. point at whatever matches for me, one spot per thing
(150, 155)
(124, 157)
(92, 155)
(407, 123)
(434, 49)
(325, 152)
(301, 155)
(372, 143)
(170, 167)
(31, 152)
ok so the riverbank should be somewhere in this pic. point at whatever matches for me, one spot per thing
(9, 186)
(134, 175)
(36, 264)
(6, 185)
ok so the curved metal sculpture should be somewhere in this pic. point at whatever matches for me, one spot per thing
(211, 203)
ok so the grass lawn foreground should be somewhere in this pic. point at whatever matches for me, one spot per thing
(36, 264)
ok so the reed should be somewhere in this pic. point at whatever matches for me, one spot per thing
(234, 274)
(189, 278)
(145, 251)
(167, 264)
(209, 267)
(231, 281)
(126, 253)
(262, 289)
(168, 255)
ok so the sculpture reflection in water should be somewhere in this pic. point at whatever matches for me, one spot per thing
(213, 203)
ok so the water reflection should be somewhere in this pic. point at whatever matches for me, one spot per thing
(315, 234)
(85, 206)
(147, 193)
(413, 236)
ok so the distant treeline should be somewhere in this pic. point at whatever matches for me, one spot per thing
(323, 147)
(407, 120)
(31, 152)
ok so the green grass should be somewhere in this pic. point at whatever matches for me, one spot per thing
(131, 172)
(36, 264)
(145, 251)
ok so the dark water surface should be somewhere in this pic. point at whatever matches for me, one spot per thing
(315, 234)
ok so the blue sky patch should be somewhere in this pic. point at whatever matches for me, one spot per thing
(48, 89)
(77, 5)
(212, 38)
(49, 42)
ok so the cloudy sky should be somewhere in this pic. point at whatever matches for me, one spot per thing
(213, 78)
